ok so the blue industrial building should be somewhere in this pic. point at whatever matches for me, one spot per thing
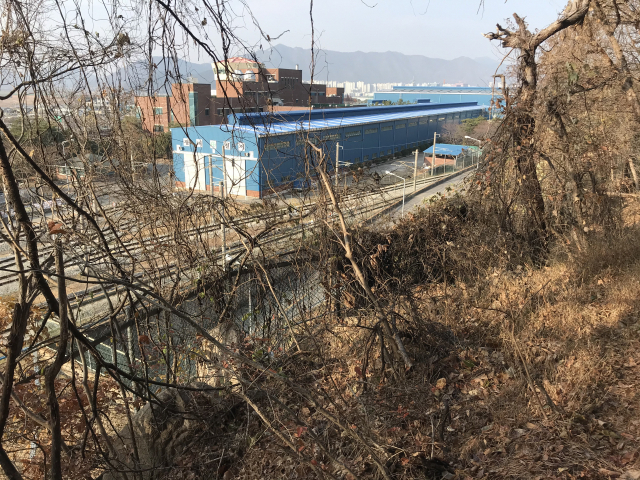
(265, 152)
(481, 95)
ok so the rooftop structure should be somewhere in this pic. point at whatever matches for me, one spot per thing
(236, 68)
(481, 95)
(447, 149)
(279, 123)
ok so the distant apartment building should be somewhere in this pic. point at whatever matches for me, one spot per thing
(242, 86)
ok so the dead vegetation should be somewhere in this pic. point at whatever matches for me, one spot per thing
(490, 335)
(521, 371)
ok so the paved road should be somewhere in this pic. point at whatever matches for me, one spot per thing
(455, 183)
(402, 166)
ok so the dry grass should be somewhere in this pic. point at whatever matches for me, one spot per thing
(491, 349)
(579, 337)
(576, 329)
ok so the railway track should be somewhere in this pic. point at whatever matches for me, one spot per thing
(125, 249)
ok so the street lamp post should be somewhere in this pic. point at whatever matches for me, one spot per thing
(344, 164)
(404, 187)
(475, 140)
(415, 171)
(338, 147)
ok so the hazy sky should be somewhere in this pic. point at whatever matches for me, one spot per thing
(435, 28)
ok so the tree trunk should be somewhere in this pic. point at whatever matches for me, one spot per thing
(524, 126)
(15, 342)
(51, 373)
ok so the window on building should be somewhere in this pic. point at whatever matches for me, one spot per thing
(277, 145)
(401, 125)
(158, 128)
(353, 133)
(331, 136)
(157, 111)
(366, 158)
(388, 152)
(374, 156)
(369, 131)
(206, 112)
(386, 128)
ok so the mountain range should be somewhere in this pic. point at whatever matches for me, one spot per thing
(382, 67)
(367, 67)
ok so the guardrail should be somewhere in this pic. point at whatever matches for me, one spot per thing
(409, 196)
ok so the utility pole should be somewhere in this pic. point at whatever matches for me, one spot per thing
(404, 188)
(415, 171)
(504, 95)
(224, 232)
(223, 193)
(493, 92)
(433, 160)
(213, 194)
(337, 161)
(224, 168)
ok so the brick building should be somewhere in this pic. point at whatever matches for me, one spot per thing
(242, 86)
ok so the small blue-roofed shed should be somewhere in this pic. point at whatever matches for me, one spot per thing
(446, 149)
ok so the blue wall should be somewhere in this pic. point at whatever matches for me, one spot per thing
(359, 143)
(280, 163)
(219, 134)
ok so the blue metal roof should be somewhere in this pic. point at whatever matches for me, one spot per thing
(268, 125)
(329, 113)
(443, 89)
(445, 149)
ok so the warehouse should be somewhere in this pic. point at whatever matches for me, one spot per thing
(482, 95)
(260, 153)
